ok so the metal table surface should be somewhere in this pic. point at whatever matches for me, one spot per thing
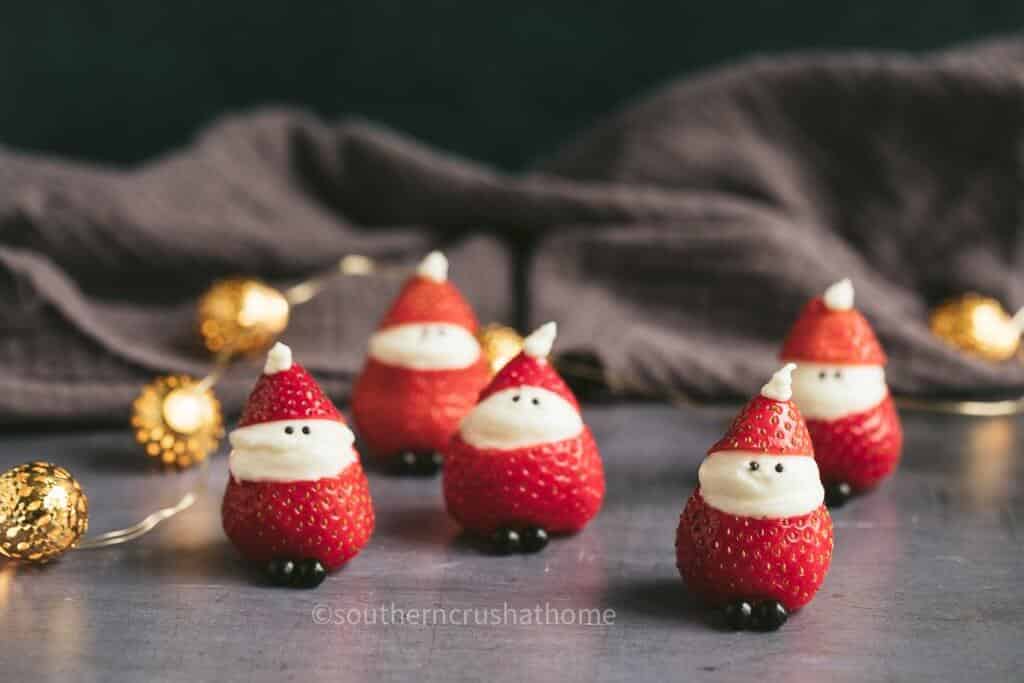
(926, 583)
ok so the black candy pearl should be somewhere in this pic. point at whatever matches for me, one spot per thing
(738, 615)
(770, 615)
(428, 464)
(309, 573)
(506, 541)
(405, 463)
(838, 495)
(533, 539)
(281, 572)
(411, 463)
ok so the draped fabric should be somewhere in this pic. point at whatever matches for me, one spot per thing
(677, 238)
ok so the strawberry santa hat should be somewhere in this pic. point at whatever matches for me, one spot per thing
(831, 331)
(286, 391)
(851, 416)
(759, 499)
(770, 424)
(523, 463)
(429, 297)
(423, 371)
(297, 498)
(532, 368)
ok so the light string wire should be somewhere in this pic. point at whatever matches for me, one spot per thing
(151, 521)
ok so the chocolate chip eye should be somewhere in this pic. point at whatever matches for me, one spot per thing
(822, 375)
(754, 466)
(289, 430)
(305, 430)
(515, 399)
(536, 401)
(838, 374)
(779, 468)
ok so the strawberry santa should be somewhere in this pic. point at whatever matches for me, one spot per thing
(840, 387)
(523, 465)
(423, 372)
(755, 537)
(297, 499)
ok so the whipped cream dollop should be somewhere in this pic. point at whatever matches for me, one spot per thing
(829, 392)
(757, 485)
(520, 417)
(434, 267)
(291, 450)
(839, 295)
(279, 359)
(539, 342)
(780, 386)
(425, 346)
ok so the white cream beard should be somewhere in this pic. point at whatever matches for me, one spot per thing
(519, 417)
(828, 392)
(425, 346)
(267, 452)
(728, 483)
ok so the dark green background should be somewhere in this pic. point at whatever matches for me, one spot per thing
(503, 82)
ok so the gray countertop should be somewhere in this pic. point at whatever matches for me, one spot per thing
(925, 583)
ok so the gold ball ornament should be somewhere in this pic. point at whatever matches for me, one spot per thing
(978, 325)
(177, 420)
(43, 512)
(499, 344)
(241, 315)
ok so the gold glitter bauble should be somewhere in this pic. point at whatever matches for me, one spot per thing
(43, 512)
(177, 421)
(241, 315)
(499, 344)
(978, 325)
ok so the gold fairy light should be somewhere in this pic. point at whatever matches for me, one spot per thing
(43, 512)
(499, 344)
(978, 325)
(177, 420)
(243, 315)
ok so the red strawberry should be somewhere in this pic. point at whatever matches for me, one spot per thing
(861, 449)
(724, 557)
(743, 550)
(554, 483)
(287, 498)
(398, 409)
(329, 519)
(556, 486)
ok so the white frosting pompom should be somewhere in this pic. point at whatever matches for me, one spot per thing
(434, 267)
(780, 386)
(279, 358)
(839, 296)
(540, 341)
